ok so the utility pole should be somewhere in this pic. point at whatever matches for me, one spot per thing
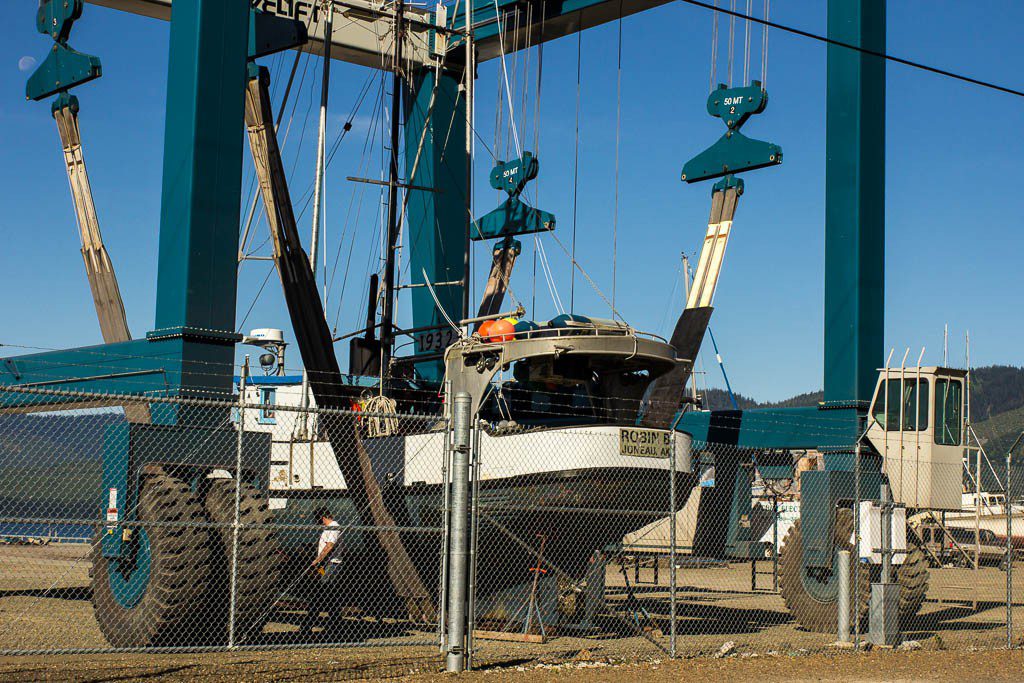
(387, 332)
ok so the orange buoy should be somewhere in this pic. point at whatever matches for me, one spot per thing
(502, 331)
(485, 329)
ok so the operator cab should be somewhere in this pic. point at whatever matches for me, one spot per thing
(916, 423)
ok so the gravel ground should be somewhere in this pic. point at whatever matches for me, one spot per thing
(44, 603)
(425, 667)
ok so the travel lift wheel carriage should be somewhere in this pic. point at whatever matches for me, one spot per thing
(137, 570)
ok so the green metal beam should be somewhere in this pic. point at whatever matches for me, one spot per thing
(548, 20)
(437, 219)
(773, 428)
(202, 173)
(854, 202)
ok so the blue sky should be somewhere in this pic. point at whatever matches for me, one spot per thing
(953, 218)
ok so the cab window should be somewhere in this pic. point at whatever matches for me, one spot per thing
(903, 400)
(948, 412)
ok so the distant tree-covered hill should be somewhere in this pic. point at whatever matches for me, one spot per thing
(997, 405)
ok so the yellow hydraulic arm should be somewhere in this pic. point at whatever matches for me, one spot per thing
(667, 391)
(105, 293)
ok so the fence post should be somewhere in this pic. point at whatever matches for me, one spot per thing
(238, 501)
(843, 602)
(856, 543)
(672, 547)
(459, 534)
(474, 540)
(1009, 545)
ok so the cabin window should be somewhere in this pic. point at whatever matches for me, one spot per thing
(267, 416)
(903, 398)
(948, 412)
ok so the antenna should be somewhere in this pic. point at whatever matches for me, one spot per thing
(945, 345)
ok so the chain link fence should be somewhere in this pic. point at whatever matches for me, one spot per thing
(251, 523)
(132, 523)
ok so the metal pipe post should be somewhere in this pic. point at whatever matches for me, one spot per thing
(775, 543)
(843, 569)
(238, 503)
(886, 534)
(1009, 555)
(474, 541)
(672, 545)
(1009, 546)
(459, 534)
(856, 534)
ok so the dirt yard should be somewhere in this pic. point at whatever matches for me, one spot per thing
(424, 667)
(44, 604)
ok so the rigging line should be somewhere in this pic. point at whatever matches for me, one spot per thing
(298, 149)
(671, 299)
(714, 47)
(306, 195)
(364, 164)
(514, 58)
(277, 126)
(526, 68)
(504, 71)
(549, 277)
(576, 172)
(499, 108)
(536, 141)
(746, 44)
(856, 48)
(589, 279)
(618, 140)
(270, 271)
(764, 47)
(249, 197)
(473, 223)
(732, 36)
(330, 158)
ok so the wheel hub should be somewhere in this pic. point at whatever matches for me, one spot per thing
(129, 574)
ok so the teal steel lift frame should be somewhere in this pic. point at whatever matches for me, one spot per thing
(191, 349)
(854, 294)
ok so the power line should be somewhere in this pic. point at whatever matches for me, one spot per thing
(857, 48)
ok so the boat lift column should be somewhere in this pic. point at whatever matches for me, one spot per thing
(854, 202)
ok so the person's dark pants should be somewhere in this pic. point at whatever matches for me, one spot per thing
(325, 590)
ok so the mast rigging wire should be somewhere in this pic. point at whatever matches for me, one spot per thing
(746, 45)
(576, 172)
(714, 47)
(732, 36)
(504, 71)
(618, 141)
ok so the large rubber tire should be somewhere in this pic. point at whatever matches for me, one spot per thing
(818, 613)
(912, 576)
(260, 561)
(168, 611)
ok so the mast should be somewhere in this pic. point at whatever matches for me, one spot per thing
(328, 9)
(388, 313)
(469, 74)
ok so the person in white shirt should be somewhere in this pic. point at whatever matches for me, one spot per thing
(328, 543)
(325, 568)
